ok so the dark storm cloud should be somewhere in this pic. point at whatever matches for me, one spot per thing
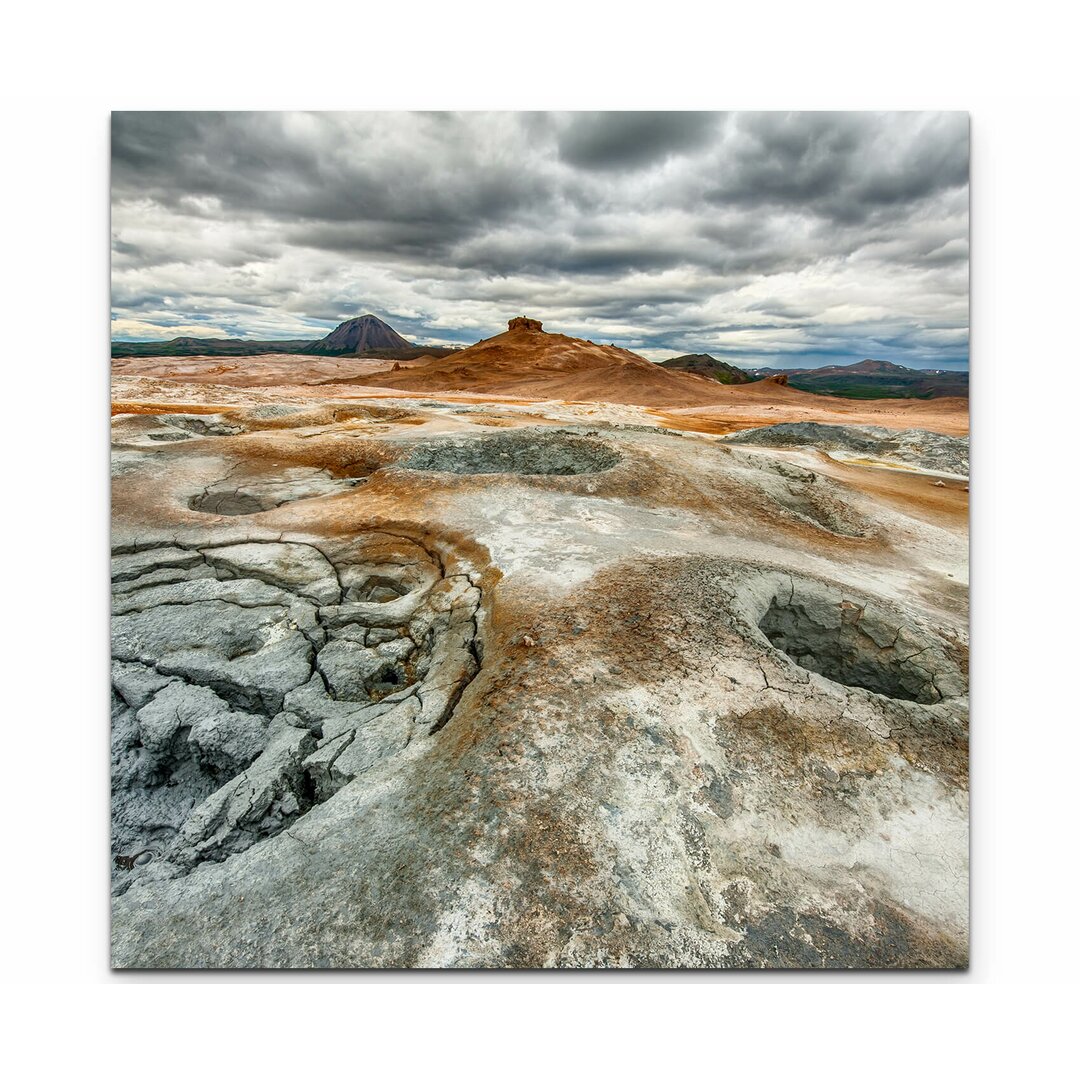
(629, 140)
(258, 163)
(506, 255)
(748, 235)
(846, 166)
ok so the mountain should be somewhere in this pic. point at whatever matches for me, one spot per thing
(710, 367)
(874, 379)
(360, 335)
(530, 362)
(873, 367)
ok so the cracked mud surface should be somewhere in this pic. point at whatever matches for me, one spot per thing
(252, 680)
(529, 685)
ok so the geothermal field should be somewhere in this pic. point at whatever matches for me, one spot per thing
(535, 654)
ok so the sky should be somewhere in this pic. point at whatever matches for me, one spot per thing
(764, 239)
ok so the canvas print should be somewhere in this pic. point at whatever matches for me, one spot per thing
(539, 540)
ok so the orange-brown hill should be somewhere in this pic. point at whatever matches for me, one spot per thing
(528, 362)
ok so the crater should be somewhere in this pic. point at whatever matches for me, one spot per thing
(860, 644)
(529, 453)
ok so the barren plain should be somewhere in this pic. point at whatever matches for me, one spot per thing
(533, 656)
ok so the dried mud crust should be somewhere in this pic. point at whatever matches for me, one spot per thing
(252, 680)
(530, 453)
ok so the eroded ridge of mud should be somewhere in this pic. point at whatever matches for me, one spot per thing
(531, 453)
(253, 680)
(913, 447)
(859, 643)
(808, 497)
(148, 430)
(237, 497)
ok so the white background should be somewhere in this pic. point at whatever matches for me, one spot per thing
(65, 68)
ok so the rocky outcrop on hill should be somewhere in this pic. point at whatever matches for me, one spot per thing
(521, 323)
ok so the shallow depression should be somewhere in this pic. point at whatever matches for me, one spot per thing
(531, 453)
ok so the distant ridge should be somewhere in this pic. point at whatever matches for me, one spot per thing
(365, 336)
(873, 379)
(190, 346)
(710, 367)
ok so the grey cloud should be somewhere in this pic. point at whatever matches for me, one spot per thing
(677, 230)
